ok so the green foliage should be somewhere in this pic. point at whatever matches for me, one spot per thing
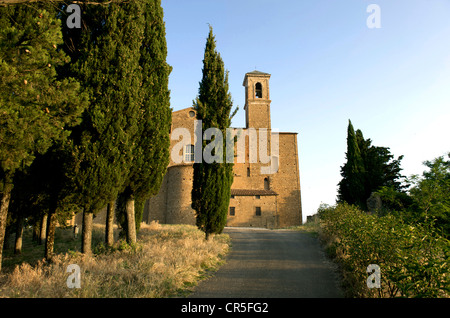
(368, 168)
(414, 259)
(427, 198)
(36, 103)
(393, 199)
(151, 152)
(108, 64)
(39, 103)
(431, 192)
(397, 203)
(212, 181)
(45, 186)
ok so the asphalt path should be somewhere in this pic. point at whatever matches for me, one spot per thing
(272, 264)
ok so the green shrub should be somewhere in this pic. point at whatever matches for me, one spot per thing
(414, 259)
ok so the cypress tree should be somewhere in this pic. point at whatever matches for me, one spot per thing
(108, 65)
(152, 141)
(351, 187)
(37, 104)
(368, 169)
(212, 181)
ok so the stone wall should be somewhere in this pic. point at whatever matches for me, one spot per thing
(172, 205)
(245, 211)
(286, 181)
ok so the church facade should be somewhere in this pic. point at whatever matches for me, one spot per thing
(266, 187)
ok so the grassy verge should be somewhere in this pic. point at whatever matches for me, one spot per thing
(312, 228)
(167, 261)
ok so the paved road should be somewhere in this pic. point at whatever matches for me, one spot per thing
(272, 264)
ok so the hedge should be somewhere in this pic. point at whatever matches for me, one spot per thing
(413, 258)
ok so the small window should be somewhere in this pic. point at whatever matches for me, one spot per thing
(258, 211)
(232, 210)
(258, 90)
(257, 197)
(266, 184)
(248, 172)
(189, 153)
(232, 196)
(191, 113)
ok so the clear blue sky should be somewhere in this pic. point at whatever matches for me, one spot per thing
(327, 67)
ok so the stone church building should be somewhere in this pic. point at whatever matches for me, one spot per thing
(260, 197)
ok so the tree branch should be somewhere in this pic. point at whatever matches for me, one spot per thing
(11, 2)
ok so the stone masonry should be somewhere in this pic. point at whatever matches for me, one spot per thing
(270, 200)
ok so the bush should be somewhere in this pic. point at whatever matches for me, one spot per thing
(414, 259)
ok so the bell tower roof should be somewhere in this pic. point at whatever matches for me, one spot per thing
(255, 73)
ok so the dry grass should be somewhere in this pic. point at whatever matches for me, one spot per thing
(167, 261)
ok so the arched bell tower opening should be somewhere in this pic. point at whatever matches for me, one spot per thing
(258, 90)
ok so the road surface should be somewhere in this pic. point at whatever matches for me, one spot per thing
(272, 264)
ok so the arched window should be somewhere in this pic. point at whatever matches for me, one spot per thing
(266, 184)
(258, 90)
(189, 153)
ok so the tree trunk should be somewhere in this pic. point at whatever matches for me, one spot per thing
(43, 235)
(4, 205)
(109, 233)
(50, 235)
(19, 233)
(131, 223)
(86, 245)
(36, 231)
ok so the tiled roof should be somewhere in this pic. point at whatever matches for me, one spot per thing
(250, 192)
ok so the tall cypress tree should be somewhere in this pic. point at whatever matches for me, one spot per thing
(37, 104)
(108, 64)
(212, 181)
(351, 187)
(151, 151)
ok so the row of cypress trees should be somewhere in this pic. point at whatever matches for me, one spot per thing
(85, 118)
(38, 105)
(85, 113)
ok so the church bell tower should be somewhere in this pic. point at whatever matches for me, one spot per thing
(257, 100)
